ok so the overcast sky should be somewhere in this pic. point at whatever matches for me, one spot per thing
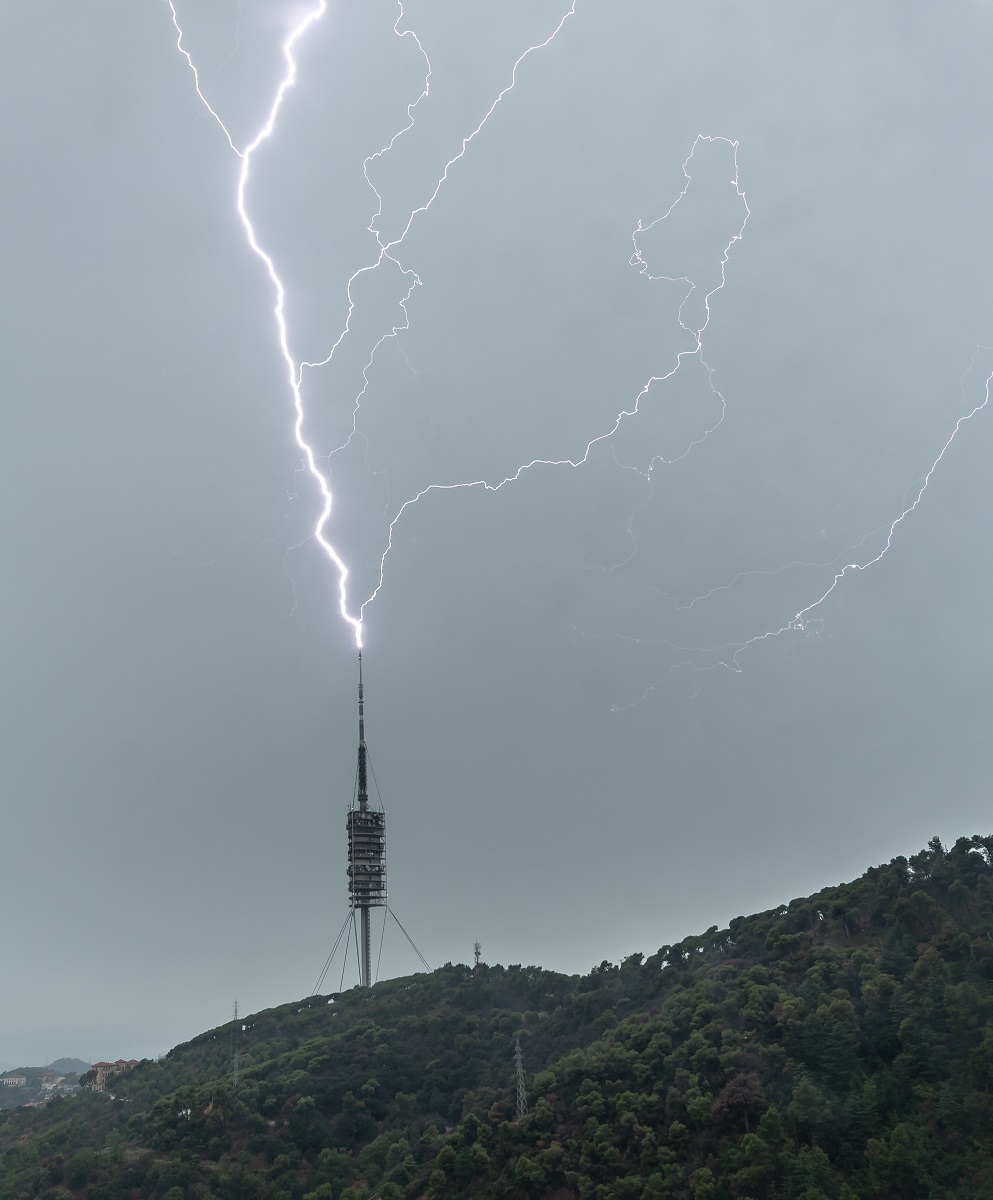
(589, 737)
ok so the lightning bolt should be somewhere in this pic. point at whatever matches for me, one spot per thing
(293, 374)
(696, 351)
(388, 252)
(803, 619)
(294, 370)
(800, 619)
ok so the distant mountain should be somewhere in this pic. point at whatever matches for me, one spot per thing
(69, 1066)
(839, 1047)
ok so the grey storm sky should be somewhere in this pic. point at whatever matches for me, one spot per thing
(571, 768)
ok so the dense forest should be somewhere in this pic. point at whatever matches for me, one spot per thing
(835, 1048)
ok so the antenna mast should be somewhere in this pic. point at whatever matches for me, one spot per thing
(522, 1096)
(235, 1056)
(366, 852)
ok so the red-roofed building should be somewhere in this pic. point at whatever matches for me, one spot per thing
(105, 1070)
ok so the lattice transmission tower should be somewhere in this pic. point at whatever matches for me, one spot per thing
(234, 1057)
(522, 1095)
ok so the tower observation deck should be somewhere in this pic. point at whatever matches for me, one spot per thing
(366, 851)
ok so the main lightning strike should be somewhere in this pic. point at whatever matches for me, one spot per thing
(292, 370)
(295, 370)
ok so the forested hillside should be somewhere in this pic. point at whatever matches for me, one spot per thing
(837, 1047)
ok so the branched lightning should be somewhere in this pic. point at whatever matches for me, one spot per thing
(696, 351)
(387, 251)
(801, 618)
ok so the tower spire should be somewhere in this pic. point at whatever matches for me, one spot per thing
(363, 787)
(366, 851)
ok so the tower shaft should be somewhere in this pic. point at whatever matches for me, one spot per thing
(365, 948)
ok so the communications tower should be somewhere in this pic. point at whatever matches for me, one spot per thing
(366, 853)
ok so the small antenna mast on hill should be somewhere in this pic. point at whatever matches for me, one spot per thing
(234, 1059)
(522, 1095)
